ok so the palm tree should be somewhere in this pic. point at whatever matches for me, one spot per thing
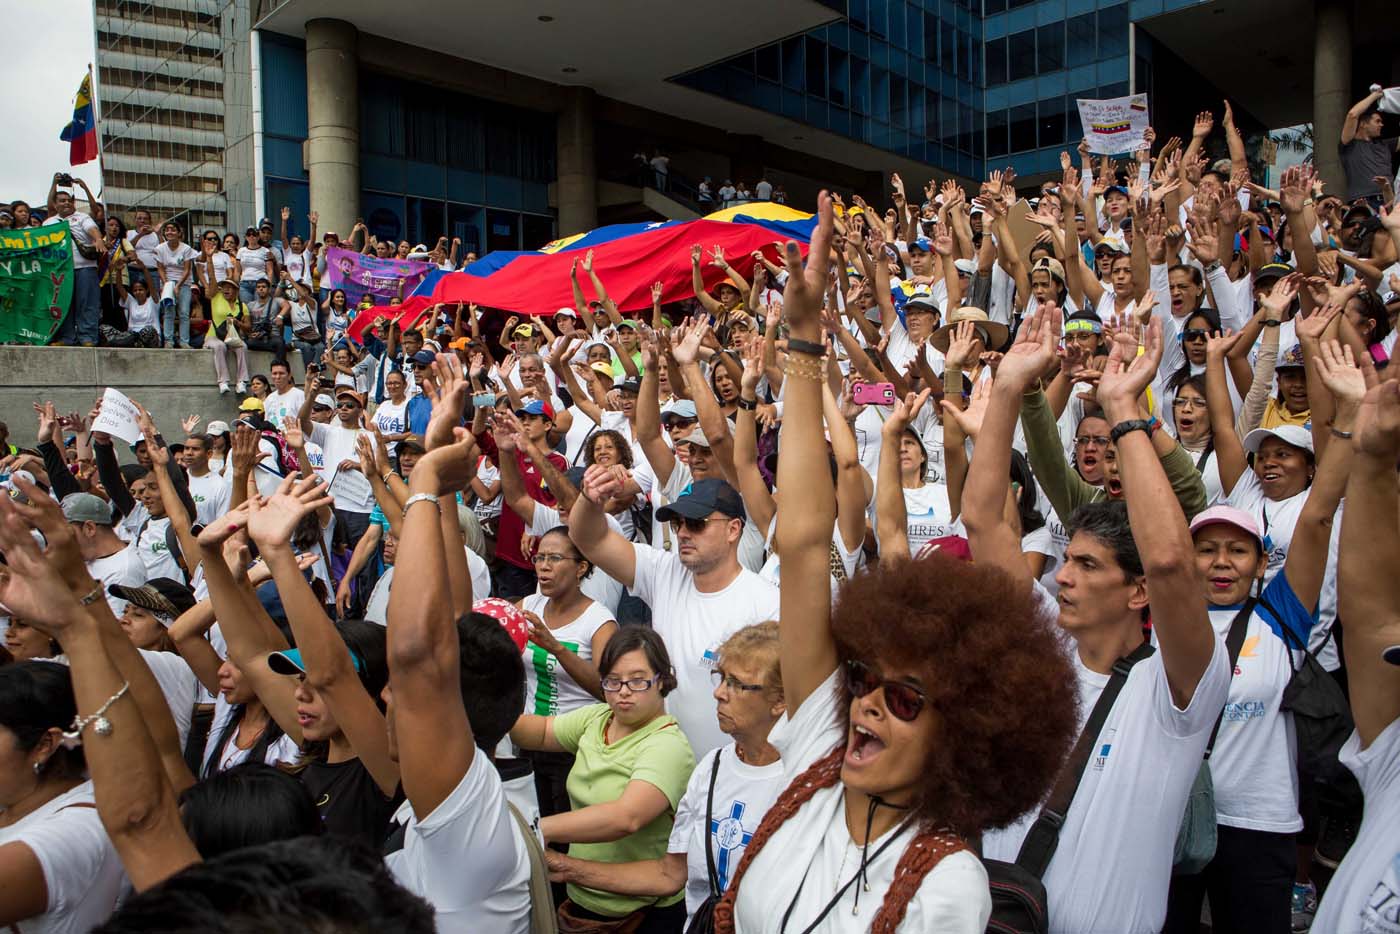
(1296, 139)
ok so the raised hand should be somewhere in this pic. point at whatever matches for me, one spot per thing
(599, 484)
(1377, 429)
(291, 430)
(656, 289)
(1218, 344)
(364, 451)
(717, 257)
(189, 423)
(314, 217)
(806, 287)
(942, 240)
(286, 213)
(1340, 373)
(48, 421)
(229, 524)
(1314, 326)
(962, 349)
(449, 398)
(688, 338)
(271, 522)
(904, 411)
(588, 261)
(753, 366)
(1205, 122)
(1128, 373)
(970, 419)
(31, 586)
(1205, 242)
(1034, 352)
(1281, 296)
(244, 450)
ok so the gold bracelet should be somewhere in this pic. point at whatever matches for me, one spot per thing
(92, 595)
(804, 369)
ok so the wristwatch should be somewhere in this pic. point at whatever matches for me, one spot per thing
(748, 405)
(1131, 425)
(1270, 323)
(1212, 267)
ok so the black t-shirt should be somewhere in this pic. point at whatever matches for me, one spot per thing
(1362, 160)
(349, 801)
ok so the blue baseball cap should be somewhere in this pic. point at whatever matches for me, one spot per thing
(288, 662)
(921, 243)
(536, 407)
(680, 408)
(704, 498)
(1118, 188)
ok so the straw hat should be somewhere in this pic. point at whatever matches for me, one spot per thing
(996, 334)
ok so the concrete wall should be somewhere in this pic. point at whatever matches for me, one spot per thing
(171, 383)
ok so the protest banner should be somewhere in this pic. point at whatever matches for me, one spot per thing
(1115, 126)
(36, 282)
(118, 417)
(386, 281)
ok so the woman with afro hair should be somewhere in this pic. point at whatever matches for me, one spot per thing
(895, 759)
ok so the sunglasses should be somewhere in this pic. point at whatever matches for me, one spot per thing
(1194, 334)
(347, 404)
(902, 700)
(694, 526)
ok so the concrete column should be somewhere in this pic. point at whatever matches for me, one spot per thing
(333, 123)
(577, 188)
(1331, 88)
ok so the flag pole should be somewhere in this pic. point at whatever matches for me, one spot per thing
(97, 128)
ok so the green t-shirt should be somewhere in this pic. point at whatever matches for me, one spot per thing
(659, 754)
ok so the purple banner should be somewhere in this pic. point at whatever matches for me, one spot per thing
(386, 281)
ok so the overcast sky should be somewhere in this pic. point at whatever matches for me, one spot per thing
(43, 71)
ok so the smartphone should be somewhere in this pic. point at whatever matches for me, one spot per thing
(873, 394)
(484, 400)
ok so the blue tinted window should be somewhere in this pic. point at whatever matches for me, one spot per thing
(1021, 55)
(1050, 48)
(1023, 128)
(1081, 39)
(1113, 31)
(996, 134)
(1052, 122)
(996, 62)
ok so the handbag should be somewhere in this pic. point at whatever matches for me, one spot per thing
(1322, 723)
(571, 923)
(703, 921)
(1019, 902)
(1196, 838)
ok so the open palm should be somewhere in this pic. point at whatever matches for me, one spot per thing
(272, 521)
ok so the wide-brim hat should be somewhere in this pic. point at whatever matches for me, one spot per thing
(996, 332)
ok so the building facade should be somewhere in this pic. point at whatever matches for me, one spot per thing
(172, 88)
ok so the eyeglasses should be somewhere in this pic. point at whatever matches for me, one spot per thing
(1100, 440)
(718, 676)
(1182, 402)
(551, 559)
(635, 685)
(904, 701)
(347, 404)
(211, 239)
(694, 526)
(1194, 334)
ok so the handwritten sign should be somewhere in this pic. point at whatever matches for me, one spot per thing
(1115, 126)
(118, 417)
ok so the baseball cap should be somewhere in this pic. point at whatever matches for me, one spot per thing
(1116, 188)
(525, 329)
(966, 266)
(1392, 655)
(1270, 272)
(1110, 246)
(289, 662)
(696, 436)
(704, 497)
(921, 301)
(265, 222)
(634, 386)
(1296, 435)
(566, 313)
(323, 399)
(424, 358)
(343, 391)
(537, 407)
(412, 443)
(627, 323)
(84, 507)
(1228, 515)
(1050, 265)
(217, 427)
(1292, 357)
(921, 243)
(159, 595)
(680, 408)
(506, 613)
(250, 404)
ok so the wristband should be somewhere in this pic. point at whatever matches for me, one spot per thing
(1268, 323)
(386, 477)
(748, 405)
(1131, 425)
(811, 348)
(420, 498)
(1338, 433)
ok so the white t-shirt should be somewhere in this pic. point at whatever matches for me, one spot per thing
(179, 685)
(282, 749)
(743, 794)
(1364, 895)
(598, 587)
(391, 419)
(583, 427)
(297, 266)
(1144, 762)
(211, 494)
(349, 488)
(171, 261)
(155, 552)
(278, 406)
(488, 473)
(84, 231)
(254, 263)
(141, 314)
(928, 514)
(472, 827)
(377, 606)
(693, 624)
(145, 246)
(802, 863)
(81, 870)
(549, 689)
(124, 567)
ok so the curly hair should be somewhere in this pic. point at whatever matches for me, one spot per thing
(620, 444)
(994, 668)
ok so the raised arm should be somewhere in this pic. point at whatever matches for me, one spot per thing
(648, 427)
(697, 282)
(330, 669)
(804, 535)
(757, 499)
(1159, 526)
(1368, 589)
(589, 530)
(1353, 117)
(1229, 451)
(851, 496)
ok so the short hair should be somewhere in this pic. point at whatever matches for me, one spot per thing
(633, 638)
(1190, 270)
(36, 696)
(282, 363)
(563, 530)
(492, 676)
(757, 644)
(623, 446)
(322, 884)
(199, 436)
(247, 805)
(263, 280)
(1107, 523)
(1220, 177)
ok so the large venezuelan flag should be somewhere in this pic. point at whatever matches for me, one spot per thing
(81, 133)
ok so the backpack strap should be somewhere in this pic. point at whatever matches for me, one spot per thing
(543, 919)
(1044, 835)
(1234, 642)
(715, 890)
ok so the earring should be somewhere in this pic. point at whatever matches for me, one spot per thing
(38, 769)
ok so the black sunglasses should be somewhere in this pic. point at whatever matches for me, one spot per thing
(694, 526)
(1194, 334)
(347, 404)
(902, 700)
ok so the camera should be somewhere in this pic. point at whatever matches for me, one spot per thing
(64, 178)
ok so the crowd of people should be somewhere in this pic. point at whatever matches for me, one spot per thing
(918, 579)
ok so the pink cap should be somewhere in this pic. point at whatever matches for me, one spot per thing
(506, 613)
(954, 545)
(1228, 515)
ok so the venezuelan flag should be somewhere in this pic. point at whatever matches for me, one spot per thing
(81, 133)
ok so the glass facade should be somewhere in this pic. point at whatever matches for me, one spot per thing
(959, 84)
(432, 163)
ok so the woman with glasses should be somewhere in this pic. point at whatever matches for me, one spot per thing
(568, 631)
(631, 769)
(729, 792)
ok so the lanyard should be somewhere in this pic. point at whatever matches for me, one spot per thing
(898, 832)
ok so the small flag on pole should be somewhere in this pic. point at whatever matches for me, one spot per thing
(81, 133)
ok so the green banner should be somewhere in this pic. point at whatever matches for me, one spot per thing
(36, 282)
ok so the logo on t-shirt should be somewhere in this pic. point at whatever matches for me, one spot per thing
(729, 836)
(1101, 754)
(1381, 913)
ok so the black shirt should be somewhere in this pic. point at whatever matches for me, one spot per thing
(349, 801)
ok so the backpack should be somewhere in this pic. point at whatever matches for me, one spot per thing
(1322, 722)
(1019, 902)
(543, 920)
(286, 462)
